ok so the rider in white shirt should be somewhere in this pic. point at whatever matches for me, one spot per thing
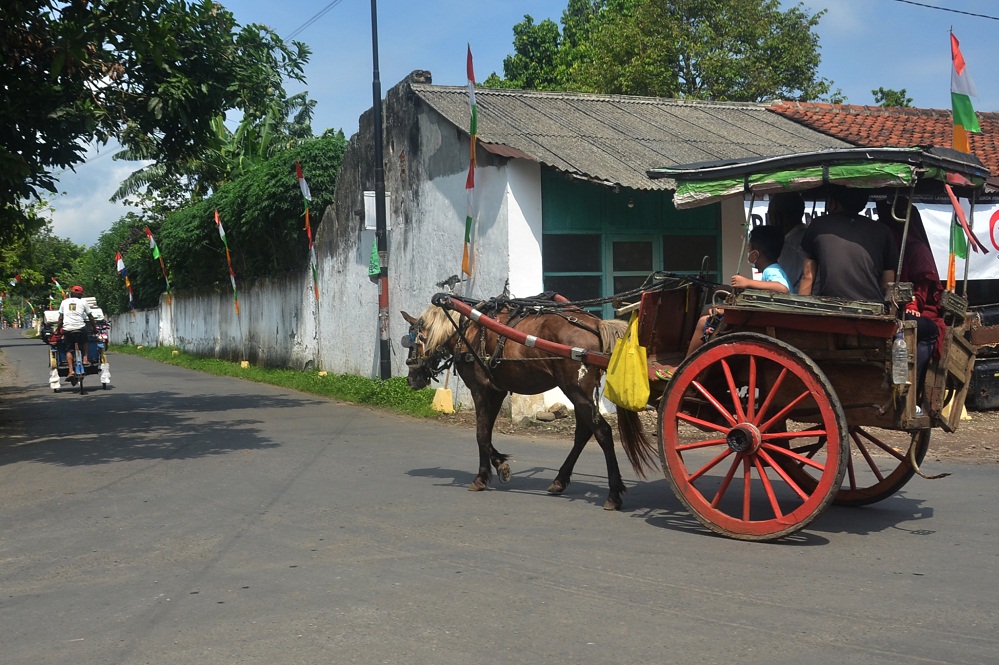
(74, 317)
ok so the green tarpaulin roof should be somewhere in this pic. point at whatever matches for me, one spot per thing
(923, 170)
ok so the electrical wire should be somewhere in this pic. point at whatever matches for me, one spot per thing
(948, 9)
(322, 12)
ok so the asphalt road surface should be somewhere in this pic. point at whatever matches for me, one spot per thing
(185, 518)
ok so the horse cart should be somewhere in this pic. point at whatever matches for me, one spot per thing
(795, 402)
(97, 362)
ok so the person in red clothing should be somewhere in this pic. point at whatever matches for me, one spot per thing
(918, 267)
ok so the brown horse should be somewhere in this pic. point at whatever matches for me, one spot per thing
(491, 368)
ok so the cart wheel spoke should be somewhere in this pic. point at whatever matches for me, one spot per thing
(710, 465)
(722, 411)
(733, 392)
(784, 475)
(862, 449)
(767, 487)
(870, 475)
(751, 392)
(777, 481)
(726, 481)
(881, 467)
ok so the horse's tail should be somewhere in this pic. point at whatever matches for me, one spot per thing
(641, 452)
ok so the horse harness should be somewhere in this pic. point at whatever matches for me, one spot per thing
(518, 312)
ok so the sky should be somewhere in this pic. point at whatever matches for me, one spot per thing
(865, 45)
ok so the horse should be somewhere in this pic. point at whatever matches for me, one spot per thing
(492, 369)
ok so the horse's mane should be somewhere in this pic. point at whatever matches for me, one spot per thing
(437, 327)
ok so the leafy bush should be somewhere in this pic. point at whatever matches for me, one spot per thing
(263, 217)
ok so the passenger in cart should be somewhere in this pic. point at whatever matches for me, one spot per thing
(919, 268)
(765, 244)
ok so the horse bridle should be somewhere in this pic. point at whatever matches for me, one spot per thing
(434, 363)
(438, 361)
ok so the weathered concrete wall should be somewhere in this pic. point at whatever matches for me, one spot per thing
(276, 326)
(425, 169)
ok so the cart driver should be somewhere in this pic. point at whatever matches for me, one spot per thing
(74, 319)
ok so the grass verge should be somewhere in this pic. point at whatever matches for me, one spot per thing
(393, 394)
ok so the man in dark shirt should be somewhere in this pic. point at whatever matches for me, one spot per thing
(846, 254)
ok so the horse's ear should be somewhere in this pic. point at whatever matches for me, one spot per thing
(410, 319)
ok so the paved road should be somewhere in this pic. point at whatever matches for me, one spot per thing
(183, 518)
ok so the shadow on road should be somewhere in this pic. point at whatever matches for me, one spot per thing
(110, 426)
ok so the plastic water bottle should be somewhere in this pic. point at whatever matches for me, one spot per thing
(899, 361)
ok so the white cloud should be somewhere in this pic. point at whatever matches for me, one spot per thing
(82, 210)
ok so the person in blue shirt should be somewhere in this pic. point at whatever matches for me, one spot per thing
(765, 245)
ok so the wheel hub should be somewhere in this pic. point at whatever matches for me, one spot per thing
(744, 438)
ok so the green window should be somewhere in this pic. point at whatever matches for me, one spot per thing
(598, 242)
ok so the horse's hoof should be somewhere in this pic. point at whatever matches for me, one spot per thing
(556, 488)
(612, 505)
(476, 486)
(503, 472)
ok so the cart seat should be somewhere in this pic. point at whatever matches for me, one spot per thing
(765, 309)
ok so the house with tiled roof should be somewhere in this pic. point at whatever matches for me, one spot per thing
(899, 127)
(561, 202)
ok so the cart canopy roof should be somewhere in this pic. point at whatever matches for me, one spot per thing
(923, 171)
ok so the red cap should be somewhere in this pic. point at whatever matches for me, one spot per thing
(77, 289)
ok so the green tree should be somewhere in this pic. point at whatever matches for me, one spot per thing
(534, 65)
(889, 97)
(153, 74)
(38, 259)
(98, 270)
(735, 50)
(286, 123)
(262, 212)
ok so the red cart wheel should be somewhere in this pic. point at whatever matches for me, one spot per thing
(725, 447)
(880, 465)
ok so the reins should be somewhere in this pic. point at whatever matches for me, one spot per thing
(442, 357)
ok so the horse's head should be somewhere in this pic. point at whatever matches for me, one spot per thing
(429, 355)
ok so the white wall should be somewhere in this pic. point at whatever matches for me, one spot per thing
(276, 325)
(523, 195)
(280, 324)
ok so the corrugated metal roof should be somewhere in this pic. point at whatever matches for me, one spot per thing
(614, 139)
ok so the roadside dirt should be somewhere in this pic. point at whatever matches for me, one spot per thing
(976, 440)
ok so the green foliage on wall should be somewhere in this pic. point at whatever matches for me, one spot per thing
(263, 214)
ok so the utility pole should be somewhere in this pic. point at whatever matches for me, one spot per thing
(383, 300)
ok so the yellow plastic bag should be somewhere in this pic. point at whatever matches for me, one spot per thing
(627, 383)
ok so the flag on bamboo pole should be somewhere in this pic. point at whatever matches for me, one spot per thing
(374, 264)
(156, 255)
(307, 195)
(120, 267)
(473, 129)
(62, 291)
(962, 89)
(228, 259)
(976, 244)
(17, 278)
